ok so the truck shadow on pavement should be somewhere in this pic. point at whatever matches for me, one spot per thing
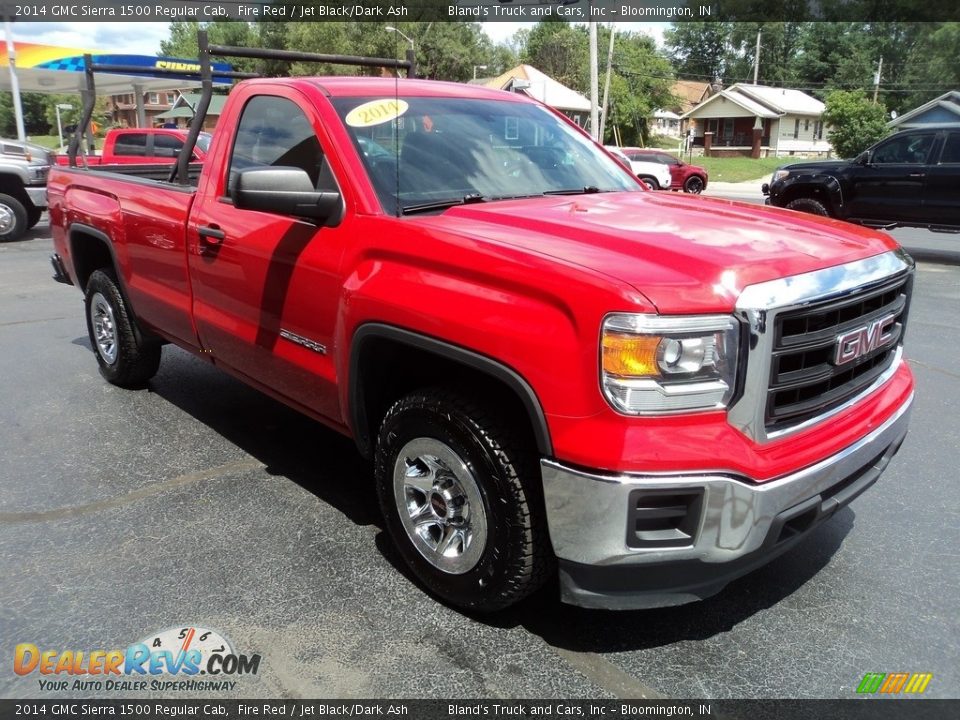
(599, 631)
(289, 444)
(327, 465)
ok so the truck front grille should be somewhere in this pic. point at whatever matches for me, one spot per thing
(807, 378)
(818, 341)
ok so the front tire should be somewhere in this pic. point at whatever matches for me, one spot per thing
(650, 182)
(123, 359)
(13, 218)
(808, 205)
(694, 185)
(461, 500)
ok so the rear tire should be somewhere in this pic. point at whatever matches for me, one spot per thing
(123, 359)
(808, 205)
(13, 218)
(650, 182)
(462, 500)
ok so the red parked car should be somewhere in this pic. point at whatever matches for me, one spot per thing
(689, 178)
(133, 146)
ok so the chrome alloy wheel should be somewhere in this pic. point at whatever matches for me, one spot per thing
(439, 503)
(104, 328)
(7, 219)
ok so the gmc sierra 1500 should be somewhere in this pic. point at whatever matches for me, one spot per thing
(552, 368)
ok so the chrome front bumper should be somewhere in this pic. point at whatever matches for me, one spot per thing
(738, 525)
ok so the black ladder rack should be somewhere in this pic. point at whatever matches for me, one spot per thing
(206, 75)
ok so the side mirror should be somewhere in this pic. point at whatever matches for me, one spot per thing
(863, 158)
(285, 191)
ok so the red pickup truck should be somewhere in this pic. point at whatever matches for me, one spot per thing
(131, 146)
(556, 372)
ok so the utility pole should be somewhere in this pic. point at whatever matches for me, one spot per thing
(606, 82)
(756, 57)
(876, 80)
(14, 83)
(594, 81)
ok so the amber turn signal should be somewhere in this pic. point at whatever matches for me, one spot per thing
(629, 355)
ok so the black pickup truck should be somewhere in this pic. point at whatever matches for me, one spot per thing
(911, 178)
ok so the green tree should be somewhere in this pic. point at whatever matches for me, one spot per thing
(700, 50)
(444, 51)
(67, 117)
(34, 107)
(933, 66)
(182, 42)
(449, 51)
(640, 84)
(560, 50)
(854, 122)
(779, 45)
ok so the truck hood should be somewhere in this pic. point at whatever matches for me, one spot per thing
(685, 254)
(817, 166)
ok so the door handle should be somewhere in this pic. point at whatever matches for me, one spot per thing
(211, 237)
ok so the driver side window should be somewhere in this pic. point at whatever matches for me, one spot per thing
(903, 150)
(275, 132)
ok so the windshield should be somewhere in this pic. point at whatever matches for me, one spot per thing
(453, 150)
(203, 141)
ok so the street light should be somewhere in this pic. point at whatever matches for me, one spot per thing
(391, 28)
(478, 67)
(411, 57)
(61, 106)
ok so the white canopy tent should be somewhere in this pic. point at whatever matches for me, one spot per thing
(54, 70)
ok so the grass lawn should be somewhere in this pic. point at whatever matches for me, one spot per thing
(48, 141)
(735, 169)
(739, 169)
(662, 142)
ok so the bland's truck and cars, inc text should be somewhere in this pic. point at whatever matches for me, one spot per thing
(556, 372)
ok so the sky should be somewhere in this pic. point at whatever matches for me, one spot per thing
(144, 38)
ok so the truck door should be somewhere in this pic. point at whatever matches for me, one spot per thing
(266, 286)
(890, 185)
(941, 196)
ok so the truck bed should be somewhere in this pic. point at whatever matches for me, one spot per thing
(158, 172)
(145, 218)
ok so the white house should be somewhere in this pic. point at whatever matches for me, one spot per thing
(530, 81)
(665, 122)
(790, 122)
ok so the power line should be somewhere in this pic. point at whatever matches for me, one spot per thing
(888, 87)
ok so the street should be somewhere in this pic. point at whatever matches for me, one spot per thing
(199, 502)
(922, 244)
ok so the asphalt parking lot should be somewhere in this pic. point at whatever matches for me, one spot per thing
(200, 502)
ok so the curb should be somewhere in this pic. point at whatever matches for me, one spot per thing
(940, 257)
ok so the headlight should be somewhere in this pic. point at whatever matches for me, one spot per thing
(654, 364)
(779, 175)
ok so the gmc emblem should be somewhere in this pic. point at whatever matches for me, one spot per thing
(859, 342)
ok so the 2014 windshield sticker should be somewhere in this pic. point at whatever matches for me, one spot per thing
(150, 664)
(376, 112)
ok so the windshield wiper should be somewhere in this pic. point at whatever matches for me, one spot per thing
(587, 190)
(443, 204)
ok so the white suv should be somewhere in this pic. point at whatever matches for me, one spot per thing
(655, 176)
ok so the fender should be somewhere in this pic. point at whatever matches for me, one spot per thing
(818, 185)
(496, 370)
(77, 228)
(80, 228)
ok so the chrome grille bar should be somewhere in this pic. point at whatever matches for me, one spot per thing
(793, 324)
